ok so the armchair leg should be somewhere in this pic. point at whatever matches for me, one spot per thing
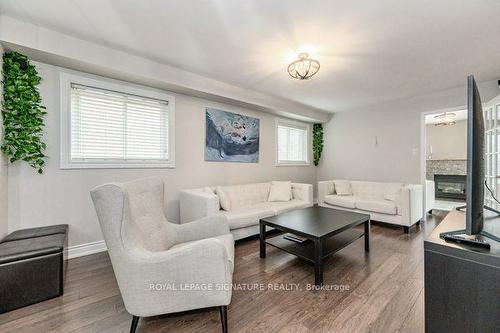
(223, 317)
(135, 321)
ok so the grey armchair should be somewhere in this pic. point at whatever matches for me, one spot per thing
(154, 260)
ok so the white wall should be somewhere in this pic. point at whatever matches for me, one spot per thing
(3, 171)
(351, 153)
(62, 196)
(447, 142)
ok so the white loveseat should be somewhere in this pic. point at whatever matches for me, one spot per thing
(394, 203)
(248, 204)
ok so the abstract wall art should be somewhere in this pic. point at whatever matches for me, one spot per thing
(231, 137)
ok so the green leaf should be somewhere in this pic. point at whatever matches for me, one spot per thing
(23, 114)
(317, 143)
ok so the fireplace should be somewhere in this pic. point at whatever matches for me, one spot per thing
(450, 186)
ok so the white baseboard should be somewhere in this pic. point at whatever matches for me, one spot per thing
(81, 250)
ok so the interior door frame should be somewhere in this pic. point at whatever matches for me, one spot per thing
(423, 145)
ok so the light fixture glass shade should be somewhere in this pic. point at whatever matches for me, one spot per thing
(303, 68)
(445, 119)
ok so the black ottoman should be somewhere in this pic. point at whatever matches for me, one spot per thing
(32, 266)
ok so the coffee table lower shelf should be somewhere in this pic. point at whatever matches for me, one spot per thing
(306, 250)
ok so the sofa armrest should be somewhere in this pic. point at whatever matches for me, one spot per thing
(411, 203)
(302, 192)
(324, 188)
(429, 195)
(196, 204)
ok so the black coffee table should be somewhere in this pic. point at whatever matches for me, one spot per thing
(327, 230)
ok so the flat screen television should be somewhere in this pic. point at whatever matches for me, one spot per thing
(474, 189)
(475, 182)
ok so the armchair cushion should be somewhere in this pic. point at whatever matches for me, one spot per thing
(146, 224)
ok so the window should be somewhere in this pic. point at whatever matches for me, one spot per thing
(292, 143)
(109, 125)
(492, 158)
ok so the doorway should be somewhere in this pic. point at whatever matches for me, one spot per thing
(443, 153)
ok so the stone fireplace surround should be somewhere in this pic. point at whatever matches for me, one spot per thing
(445, 167)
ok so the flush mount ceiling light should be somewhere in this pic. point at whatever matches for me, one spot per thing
(303, 68)
(445, 119)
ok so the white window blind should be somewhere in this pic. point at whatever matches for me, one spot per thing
(114, 127)
(292, 144)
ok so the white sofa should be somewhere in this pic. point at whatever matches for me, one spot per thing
(394, 203)
(248, 204)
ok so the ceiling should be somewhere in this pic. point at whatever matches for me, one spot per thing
(371, 51)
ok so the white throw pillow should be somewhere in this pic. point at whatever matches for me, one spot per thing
(343, 187)
(280, 191)
(224, 201)
(209, 190)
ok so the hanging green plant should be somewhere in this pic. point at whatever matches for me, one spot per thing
(317, 143)
(22, 111)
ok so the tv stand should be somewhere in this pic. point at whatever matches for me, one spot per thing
(462, 283)
(461, 208)
(482, 233)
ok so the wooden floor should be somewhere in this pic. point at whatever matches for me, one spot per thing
(385, 293)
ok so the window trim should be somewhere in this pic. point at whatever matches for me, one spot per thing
(299, 125)
(66, 79)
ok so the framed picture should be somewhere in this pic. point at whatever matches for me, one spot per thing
(231, 137)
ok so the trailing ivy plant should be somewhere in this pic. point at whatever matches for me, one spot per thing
(317, 143)
(22, 111)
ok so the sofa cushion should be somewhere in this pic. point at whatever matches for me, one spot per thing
(280, 191)
(208, 189)
(247, 216)
(346, 201)
(245, 195)
(224, 201)
(392, 191)
(227, 240)
(343, 187)
(369, 190)
(282, 207)
(377, 206)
